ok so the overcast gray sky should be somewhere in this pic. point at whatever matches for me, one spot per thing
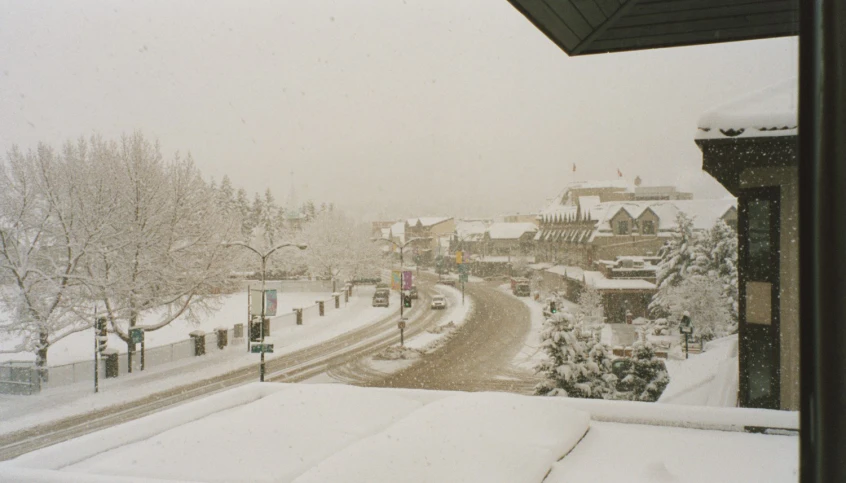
(388, 108)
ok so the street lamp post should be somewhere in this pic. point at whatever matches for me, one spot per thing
(264, 256)
(461, 245)
(401, 246)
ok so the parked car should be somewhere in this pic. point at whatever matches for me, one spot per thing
(438, 302)
(413, 293)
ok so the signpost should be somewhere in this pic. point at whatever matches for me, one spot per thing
(686, 329)
(257, 348)
(463, 276)
(401, 326)
(136, 335)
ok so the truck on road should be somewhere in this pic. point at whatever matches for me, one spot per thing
(520, 286)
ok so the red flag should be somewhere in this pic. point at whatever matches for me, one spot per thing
(619, 173)
(574, 167)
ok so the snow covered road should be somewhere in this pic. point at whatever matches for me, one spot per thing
(479, 357)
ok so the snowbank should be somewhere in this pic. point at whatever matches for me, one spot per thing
(650, 454)
(310, 432)
(465, 437)
(20, 412)
(706, 379)
(281, 432)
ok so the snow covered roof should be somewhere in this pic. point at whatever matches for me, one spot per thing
(772, 111)
(428, 220)
(398, 228)
(502, 259)
(619, 183)
(540, 266)
(469, 228)
(704, 212)
(599, 282)
(510, 231)
(574, 273)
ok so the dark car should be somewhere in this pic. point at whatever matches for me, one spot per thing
(451, 283)
(413, 293)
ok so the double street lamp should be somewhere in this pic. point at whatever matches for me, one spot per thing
(264, 255)
(401, 246)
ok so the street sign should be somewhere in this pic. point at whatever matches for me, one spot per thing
(463, 277)
(401, 325)
(136, 335)
(686, 329)
(459, 257)
(256, 348)
(463, 268)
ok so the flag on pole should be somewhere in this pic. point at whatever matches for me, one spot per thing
(619, 173)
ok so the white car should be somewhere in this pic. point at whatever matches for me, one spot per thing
(438, 302)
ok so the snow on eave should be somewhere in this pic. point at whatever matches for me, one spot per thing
(510, 231)
(770, 112)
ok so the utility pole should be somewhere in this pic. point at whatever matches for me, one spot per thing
(96, 352)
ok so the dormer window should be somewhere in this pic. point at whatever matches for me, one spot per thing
(623, 227)
(647, 227)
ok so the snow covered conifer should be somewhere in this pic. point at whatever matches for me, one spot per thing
(673, 268)
(573, 368)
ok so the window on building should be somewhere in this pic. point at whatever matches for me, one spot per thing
(647, 227)
(623, 227)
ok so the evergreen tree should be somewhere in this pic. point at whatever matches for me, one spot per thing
(243, 207)
(647, 377)
(680, 255)
(268, 217)
(573, 368)
(717, 259)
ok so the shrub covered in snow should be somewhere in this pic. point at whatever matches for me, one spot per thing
(582, 368)
(574, 367)
(646, 378)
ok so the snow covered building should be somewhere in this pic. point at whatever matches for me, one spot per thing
(433, 232)
(588, 230)
(620, 294)
(750, 145)
(509, 239)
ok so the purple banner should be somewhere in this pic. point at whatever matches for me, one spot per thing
(406, 280)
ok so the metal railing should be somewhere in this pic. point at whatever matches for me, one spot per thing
(18, 377)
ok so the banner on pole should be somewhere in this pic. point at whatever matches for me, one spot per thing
(407, 281)
(396, 280)
(270, 303)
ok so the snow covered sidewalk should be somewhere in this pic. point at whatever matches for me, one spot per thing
(20, 412)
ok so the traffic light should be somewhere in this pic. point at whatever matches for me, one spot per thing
(552, 308)
(406, 301)
(102, 335)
